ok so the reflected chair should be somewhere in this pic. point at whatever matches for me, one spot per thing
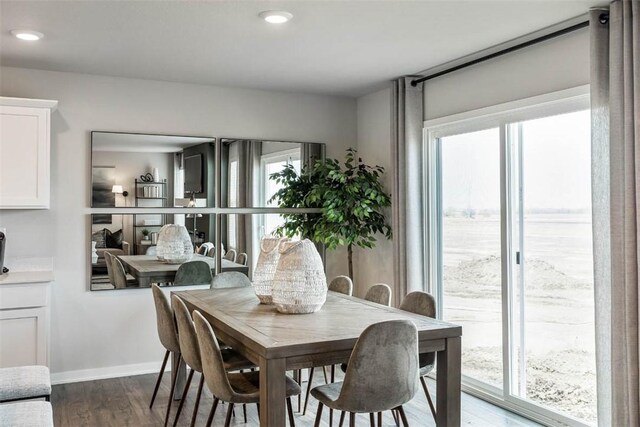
(425, 304)
(230, 279)
(382, 373)
(343, 285)
(237, 387)
(115, 270)
(379, 293)
(168, 334)
(242, 258)
(211, 253)
(193, 273)
(190, 351)
(230, 255)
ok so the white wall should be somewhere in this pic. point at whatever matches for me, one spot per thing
(101, 331)
(554, 65)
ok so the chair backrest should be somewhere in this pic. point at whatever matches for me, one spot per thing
(107, 261)
(342, 284)
(242, 258)
(152, 250)
(167, 330)
(118, 273)
(187, 338)
(212, 363)
(230, 279)
(211, 252)
(379, 293)
(230, 255)
(419, 303)
(383, 372)
(193, 273)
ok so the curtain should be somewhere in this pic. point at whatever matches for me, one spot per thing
(615, 102)
(407, 199)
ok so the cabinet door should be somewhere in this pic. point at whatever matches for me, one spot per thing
(23, 337)
(24, 157)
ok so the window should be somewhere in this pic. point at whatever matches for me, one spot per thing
(272, 163)
(510, 251)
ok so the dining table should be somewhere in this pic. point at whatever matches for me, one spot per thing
(149, 269)
(277, 342)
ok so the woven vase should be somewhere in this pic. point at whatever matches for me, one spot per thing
(266, 267)
(299, 284)
(174, 244)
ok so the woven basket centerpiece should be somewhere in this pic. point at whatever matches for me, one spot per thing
(174, 244)
(266, 267)
(299, 284)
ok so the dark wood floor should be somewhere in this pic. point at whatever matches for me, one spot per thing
(124, 401)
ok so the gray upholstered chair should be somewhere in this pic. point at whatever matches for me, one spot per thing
(168, 334)
(193, 273)
(24, 382)
(242, 258)
(230, 279)
(379, 293)
(235, 388)
(211, 253)
(342, 284)
(424, 304)
(117, 274)
(151, 251)
(230, 255)
(25, 414)
(382, 374)
(190, 351)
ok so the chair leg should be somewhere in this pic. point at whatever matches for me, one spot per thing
(244, 412)
(159, 380)
(298, 377)
(184, 397)
(227, 421)
(292, 422)
(326, 378)
(258, 409)
(428, 395)
(306, 398)
(173, 387)
(330, 417)
(395, 417)
(213, 411)
(318, 415)
(352, 419)
(379, 419)
(341, 418)
(195, 409)
(372, 421)
(333, 373)
(405, 423)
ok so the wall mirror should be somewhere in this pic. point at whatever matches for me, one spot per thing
(151, 171)
(247, 164)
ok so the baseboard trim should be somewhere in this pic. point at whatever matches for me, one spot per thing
(105, 373)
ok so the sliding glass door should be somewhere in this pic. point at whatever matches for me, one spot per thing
(511, 261)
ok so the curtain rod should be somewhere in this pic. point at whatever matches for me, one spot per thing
(496, 54)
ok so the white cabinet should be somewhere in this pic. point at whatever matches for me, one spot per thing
(25, 152)
(24, 323)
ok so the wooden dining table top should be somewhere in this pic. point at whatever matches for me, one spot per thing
(151, 264)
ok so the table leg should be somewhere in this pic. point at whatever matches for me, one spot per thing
(181, 372)
(448, 384)
(272, 392)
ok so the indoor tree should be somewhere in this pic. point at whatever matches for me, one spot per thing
(350, 195)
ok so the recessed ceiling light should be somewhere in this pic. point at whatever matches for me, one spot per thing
(276, 16)
(27, 35)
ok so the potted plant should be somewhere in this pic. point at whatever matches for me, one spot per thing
(145, 234)
(351, 196)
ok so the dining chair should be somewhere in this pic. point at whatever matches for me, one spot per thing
(118, 274)
(236, 387)
(230, 255)
(190, 350)
(168, 334)
(379, 293)
(242, 258)
(343, 285)
(211, 252)
(230, 279)
(193, 273)
(382, 374)
(425, 304)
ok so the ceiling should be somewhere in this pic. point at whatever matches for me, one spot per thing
(345, 48)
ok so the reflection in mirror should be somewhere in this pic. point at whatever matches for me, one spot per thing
(246, 166)
(123, 250)
(151, 171)
(240, 236)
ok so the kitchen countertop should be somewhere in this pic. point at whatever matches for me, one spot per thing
(19, 277)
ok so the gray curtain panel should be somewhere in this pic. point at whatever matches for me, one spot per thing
(407, 201)
(615, 103)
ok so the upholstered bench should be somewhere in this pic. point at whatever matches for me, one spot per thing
(26, 414)
(24, 382)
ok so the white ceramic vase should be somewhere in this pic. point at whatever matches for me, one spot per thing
(174, 244)
(266, 267)
(299, 283)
